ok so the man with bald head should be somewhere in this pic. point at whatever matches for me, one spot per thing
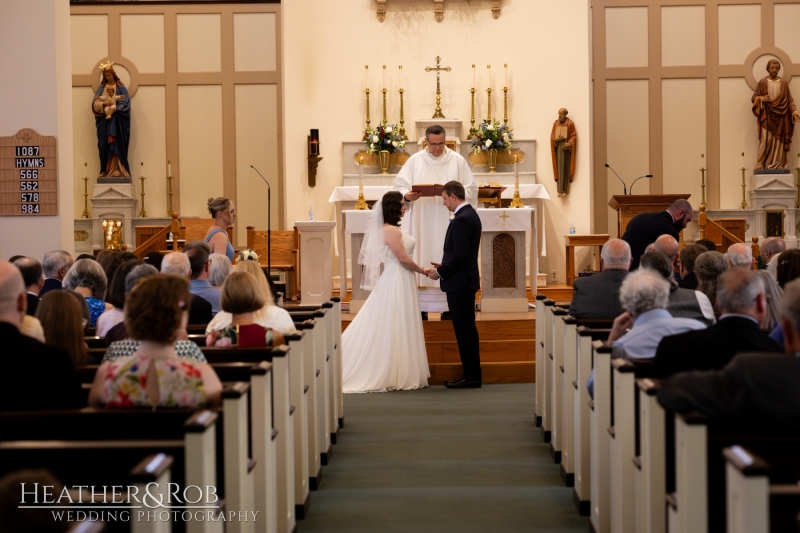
(597, 296)
(33, 278)
(645, 228)
(771, 247)
(35, 375)
(667, 245)
(177, 263)
(740, 255)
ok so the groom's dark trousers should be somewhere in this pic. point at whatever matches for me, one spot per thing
(461, 280)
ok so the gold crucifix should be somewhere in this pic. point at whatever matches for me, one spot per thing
(504, 216)
(438, 112)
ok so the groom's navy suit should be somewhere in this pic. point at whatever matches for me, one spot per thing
(461, 280)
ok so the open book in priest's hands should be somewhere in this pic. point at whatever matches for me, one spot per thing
(428, 189)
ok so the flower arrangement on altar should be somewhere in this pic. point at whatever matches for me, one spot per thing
(384, 137)
(491, 135)
(247, 255)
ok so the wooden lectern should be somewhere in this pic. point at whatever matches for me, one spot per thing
(631, 205)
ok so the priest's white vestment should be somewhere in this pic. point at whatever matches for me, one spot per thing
(427, 218)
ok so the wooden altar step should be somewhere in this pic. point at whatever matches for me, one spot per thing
(507, 347)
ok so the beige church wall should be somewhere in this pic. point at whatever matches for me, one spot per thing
(188, 65)
(326, 45)
(257, 145)
(200, 146)
(699, 53)
(626, 28)
(628, 127)
(36, 62)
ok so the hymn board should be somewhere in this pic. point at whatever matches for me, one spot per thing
(28, 178)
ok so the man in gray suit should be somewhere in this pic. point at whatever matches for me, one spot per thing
(756, 387)
(597, 296)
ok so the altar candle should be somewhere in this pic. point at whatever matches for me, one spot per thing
(475, 79)
(401, 76)
(142, 168)
(366, 77)
(85, 165)
(488, 76)
(384, 77)
(169, 168)
(361, 176)
(516, 174)
(505, 66)
(743, 166)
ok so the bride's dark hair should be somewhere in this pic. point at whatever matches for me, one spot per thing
(392, 203)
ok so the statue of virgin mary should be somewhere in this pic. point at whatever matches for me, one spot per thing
(114, 131)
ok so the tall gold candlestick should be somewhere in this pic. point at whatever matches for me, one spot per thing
(402, 131)
(703, 183)
(361, 204)
(743, 205)
(366, 89)
(505, 97)
(516, 202)
(489, 92)
(472, 129)
(797, 200)
(383, 90)
(367, 92)
(169, 189)
(85, 213)
(142, 213)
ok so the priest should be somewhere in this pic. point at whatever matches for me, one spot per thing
(428, 218)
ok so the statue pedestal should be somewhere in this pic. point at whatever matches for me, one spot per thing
(315, 261)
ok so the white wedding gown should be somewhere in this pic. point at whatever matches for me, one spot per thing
(383, 348)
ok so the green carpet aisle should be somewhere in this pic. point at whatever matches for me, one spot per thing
(437, 460)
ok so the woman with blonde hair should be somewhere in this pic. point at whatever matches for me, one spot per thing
(224, 215)
(708, 268)
(269, 315)
(62, 322)
(242, 299)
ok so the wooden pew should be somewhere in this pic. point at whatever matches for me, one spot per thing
(651, 448)
(302, 347)
(546, 364)
(270, 409)
(599, 424)
(581, 432)
(315, 421)
(540, 355)
(555, 383)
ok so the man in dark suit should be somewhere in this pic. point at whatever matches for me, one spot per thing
(754, 387)
(33, 277)
(35, 375)
(742, 301)
(56, 264)
(461, 280)
(597, 296)
(645, 228)
(177, 263)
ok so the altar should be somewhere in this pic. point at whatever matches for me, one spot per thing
(504, 254)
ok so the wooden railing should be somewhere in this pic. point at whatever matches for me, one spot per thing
(704, 223)
(158, 242)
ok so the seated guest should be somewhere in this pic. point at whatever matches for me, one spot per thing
(597, 296)
(154, 375)
(55, 264)
(740, 255)
(708, 243)
(754, 388)
(742, 301)
(644, 295)
(242, 298)
(14, 258)
(683, 303)
(771, 247)
(688, 256)
(119, 332)
(198, 252)
(772, 267)
(667, 245)
(116, 297)
(154, 259)
(774, 295)
(62, 321)
(708, 268)
(31, 327)
(86, 256)
(33, 275)
(110, 260)
(269, 316)
(35, 376)
(218, 270)
(86, 314)
(87, 278)
(788, 267)
(177, 263)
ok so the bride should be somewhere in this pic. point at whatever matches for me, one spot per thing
(383, 348)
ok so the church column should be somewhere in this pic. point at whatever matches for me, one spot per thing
(36, 85)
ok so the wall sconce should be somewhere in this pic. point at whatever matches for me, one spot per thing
(313, 157)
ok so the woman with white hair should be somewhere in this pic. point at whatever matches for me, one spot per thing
(220, 268)
(86, 277)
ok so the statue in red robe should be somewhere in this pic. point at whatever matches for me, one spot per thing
(776, 112)
(563, 141)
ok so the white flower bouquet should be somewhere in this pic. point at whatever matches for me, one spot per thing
(247, 255)
(492, 135)
(384, 137)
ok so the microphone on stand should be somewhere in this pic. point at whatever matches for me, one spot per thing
(648, 176)
(624, 187)
(269, 225)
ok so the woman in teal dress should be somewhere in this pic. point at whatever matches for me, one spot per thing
(224, 215)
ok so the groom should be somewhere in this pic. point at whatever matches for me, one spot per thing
(460, 280)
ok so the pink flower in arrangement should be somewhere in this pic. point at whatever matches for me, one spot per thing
(223, 342)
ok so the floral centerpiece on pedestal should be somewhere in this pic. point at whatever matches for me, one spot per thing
(247, 255)
(384, 137)
(492, 136)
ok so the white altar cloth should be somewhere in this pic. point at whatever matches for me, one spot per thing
(349, 193)
(506, 219)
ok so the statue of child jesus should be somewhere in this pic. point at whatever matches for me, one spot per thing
(107, 101)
